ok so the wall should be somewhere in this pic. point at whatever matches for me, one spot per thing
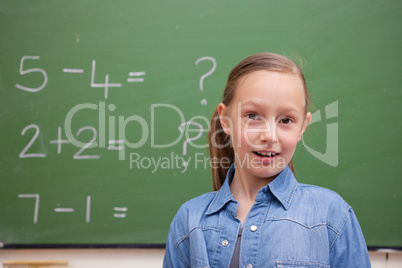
(125, 258)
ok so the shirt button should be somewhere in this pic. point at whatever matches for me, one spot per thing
(249, 266)
(253, 228)
(225, 243)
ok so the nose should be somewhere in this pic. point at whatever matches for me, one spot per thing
(270, 134)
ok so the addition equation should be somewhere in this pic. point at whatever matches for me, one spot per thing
(60, 141)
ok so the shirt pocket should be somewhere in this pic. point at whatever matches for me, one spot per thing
(300, 264)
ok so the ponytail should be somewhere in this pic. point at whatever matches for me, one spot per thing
(220, 151)
(292, 168)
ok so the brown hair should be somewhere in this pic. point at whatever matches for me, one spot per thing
(219, 141)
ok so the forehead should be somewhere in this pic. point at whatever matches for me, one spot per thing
(272, 87)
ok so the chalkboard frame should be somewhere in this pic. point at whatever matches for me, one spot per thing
(342, 35)
(132, 246)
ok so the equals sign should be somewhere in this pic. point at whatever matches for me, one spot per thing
(134, 77)
(120, 209)
(112, 145)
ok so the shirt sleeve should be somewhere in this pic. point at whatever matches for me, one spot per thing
(349, 248)
(172, 257)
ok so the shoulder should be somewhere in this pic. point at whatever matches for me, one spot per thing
(323, 195)
(331, 207)
(341, 222)
(196, 206)
(191, 213)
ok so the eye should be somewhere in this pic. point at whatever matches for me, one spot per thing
(286, 121)
(252, 116)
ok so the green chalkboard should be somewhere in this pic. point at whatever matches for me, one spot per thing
(79, 77)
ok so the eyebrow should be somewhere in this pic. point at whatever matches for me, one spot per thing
(259, 102)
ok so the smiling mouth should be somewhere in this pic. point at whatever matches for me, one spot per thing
(266, 154)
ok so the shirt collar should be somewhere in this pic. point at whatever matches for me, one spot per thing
(223, 195)
(282, 187)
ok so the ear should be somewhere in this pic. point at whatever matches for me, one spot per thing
(223, 117)
(305, 124)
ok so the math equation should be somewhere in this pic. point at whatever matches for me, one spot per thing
(133, 77)
(118, 212)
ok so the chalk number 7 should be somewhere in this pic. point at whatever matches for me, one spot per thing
(27, 71)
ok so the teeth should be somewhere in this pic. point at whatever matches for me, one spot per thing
(269, 154)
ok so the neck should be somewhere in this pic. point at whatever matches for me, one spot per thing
(245, 187)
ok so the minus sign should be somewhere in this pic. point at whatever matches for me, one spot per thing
(74, 71)
(64, 209)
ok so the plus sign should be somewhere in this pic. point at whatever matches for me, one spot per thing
(59, 140)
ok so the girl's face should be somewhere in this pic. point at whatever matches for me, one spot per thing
(265, 120)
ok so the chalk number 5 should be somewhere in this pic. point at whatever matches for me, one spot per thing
(32, 70)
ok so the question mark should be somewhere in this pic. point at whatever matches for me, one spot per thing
(204, 101)
(181, 128)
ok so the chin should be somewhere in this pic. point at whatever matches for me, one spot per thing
(266, 172)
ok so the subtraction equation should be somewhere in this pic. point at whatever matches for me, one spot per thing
(118, 212)
(133, 77)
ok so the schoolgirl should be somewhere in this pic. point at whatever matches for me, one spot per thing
(259, 215)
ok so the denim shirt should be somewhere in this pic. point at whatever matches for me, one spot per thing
(290, 225)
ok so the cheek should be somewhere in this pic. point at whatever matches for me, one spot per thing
(242, 139)
(250, 134)
(237, 130)
(289, 139)
(239, 140)
(235, 135)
